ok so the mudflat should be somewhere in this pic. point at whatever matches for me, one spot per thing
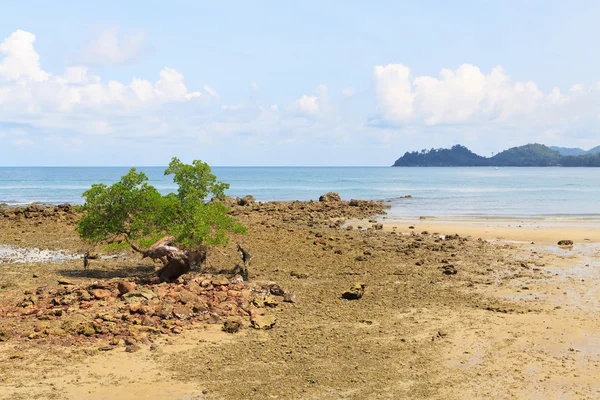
(449, 311)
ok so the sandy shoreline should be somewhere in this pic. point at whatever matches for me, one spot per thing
(526, 230)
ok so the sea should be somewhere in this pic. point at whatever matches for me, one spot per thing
(470, 192)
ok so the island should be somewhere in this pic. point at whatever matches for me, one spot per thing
(530, 155)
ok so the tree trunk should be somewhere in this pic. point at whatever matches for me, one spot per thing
(176, 261)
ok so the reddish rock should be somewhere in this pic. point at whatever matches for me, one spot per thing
(220, 280)
(134, 308)
(126, 287)
(182, 312)
(100, 294)
(187, 297)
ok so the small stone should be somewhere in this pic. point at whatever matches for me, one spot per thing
(63, 281)
(177, 330)
(299, 275)
(449, 269)
(126, 287)
(100, 294)
(290, 297)
(355, 292)
(132, 349)
(232, 324)
(442, 333)
(271, 301)
(182, 312)
(220, 280)
(565, 242)
(263, 322)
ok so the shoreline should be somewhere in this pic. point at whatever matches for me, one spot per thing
(509, 229)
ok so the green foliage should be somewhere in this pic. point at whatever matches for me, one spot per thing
(135, 212)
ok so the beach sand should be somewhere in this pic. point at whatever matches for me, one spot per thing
(441, 317)
(501, 229)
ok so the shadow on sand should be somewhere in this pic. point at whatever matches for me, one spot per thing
(108, 273)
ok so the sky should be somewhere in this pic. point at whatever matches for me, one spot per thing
(292, 83)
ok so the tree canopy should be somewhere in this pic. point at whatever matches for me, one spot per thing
(134, 212)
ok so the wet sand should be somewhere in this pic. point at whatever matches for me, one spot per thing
(500, 229)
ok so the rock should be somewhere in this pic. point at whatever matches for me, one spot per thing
(263, 321)
(378, 227)
(442, 333)
(148, 321)
(63, 281)
(290, 297)
(246, 200)
(411, 227)
(299, 275)
(182, 312)
(355, 292)
(187, 297)
(271, 301)
(220, 280)
(132, 348)
(100, 294)
(330, 197)
(85, 295)
(126, 287)
(276, 290)
(233, 324)
(449, 269)
(565, 242)
(138, 296)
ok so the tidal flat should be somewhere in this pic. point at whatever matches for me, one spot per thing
(449, 311)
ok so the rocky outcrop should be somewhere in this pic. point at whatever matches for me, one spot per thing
(330, 197)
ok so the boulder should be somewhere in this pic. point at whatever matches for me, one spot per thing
(330, 197)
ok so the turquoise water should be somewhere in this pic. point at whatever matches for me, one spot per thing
(452, 192)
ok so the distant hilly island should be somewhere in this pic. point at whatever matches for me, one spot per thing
(530, 155)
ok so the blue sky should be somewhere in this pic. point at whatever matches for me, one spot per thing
(292, 83)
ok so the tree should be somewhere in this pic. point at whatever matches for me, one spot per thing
(133, 212)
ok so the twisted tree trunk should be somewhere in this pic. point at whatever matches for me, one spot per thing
(176, 261)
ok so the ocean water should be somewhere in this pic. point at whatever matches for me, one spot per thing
(552, 193)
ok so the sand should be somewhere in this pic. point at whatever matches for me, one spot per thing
(501, 229)
(517, 320)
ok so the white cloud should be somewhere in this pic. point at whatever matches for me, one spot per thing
(393, 90)
(76, 99)
(577, 88)
(348, 92)
(312, 106)
(212, 92)
(463, 95)
(112, 48)
(21, 61)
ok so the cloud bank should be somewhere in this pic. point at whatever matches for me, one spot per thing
(464, 105)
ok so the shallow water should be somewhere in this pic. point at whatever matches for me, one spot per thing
(550, 193)
(18, 255)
